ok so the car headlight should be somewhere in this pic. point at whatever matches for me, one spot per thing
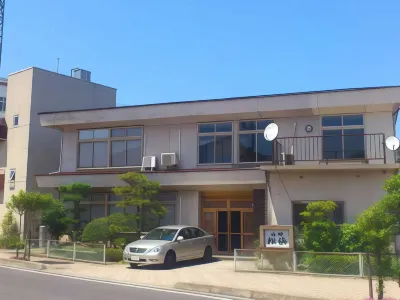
(126, 250)
(155, 250)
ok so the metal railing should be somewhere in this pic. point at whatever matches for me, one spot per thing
(323, 263)
(330, 148)
(75, 251)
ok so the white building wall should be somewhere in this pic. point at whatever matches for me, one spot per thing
(183, 140)
(358, 190)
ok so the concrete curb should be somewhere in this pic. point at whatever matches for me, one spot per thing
(237, 292)
(10, 262)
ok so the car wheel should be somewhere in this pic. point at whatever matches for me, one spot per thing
(133, 266)
(207, 257)
(170, 260)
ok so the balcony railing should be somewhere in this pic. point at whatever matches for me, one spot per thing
(329, 148)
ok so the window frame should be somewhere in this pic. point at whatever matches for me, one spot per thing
(342, 128)
(3, 104)
(11, 178)
(256, 132)
(342, 202)
(215, 134)
(16, 117)
(109, 139)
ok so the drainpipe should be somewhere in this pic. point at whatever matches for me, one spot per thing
(180, 210)
(294, 135)
(61, 150)
(395, 116)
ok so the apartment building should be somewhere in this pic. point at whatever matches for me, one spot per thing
(216, 169)
(27, 148)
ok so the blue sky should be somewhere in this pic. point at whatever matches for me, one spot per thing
(176, 50)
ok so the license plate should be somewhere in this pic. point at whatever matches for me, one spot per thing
(135, 258)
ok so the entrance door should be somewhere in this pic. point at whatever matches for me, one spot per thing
(232, 228)
(229, 217)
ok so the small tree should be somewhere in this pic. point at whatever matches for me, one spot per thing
(56, 219)
(27, 204)
(8, 227)
(73, 194)
(140, 192)
(320, 232)
(107, 228)
(376, 227)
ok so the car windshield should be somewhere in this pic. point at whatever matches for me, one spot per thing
(161, 234)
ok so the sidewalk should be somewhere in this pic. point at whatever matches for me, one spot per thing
(221, 274)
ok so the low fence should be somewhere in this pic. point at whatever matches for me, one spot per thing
(94, 253)
(324, 263)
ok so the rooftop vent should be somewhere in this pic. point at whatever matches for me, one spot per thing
(80, 74)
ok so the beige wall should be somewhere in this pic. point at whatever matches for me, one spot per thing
(32, 149)
(19, 93)
(52, 91)
(358, 190)
(188, 208)
(182, 139)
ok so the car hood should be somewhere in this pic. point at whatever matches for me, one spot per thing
(147, 243)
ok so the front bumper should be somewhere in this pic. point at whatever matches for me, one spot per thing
(136, 258)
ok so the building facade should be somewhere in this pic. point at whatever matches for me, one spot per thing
(216, 169)
(30, 148)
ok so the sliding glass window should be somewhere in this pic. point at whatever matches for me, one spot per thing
(215, 143)
(117, 147)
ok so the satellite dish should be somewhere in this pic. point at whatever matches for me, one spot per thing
(392, 143)
(271, 132)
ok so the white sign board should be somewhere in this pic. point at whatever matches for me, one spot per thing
(276, 238)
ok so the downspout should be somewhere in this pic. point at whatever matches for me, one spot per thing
(395, 115)
(180, 210)
(61, 150)
(179, 145)
(294, 136)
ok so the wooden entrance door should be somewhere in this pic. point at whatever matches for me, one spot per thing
(230, 221)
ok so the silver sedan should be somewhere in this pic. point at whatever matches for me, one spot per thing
(169, 244)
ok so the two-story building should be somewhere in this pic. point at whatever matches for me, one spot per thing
(216, 169)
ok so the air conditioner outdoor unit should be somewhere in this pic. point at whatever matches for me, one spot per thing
(169, 159)
(148, 162)
(287, 159)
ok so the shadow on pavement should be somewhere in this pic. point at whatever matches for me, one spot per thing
(183, 264)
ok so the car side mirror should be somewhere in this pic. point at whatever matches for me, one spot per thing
(180, 238)
(141, 237)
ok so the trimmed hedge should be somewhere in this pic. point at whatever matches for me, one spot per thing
(114, 254)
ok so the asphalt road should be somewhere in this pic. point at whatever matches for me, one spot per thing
(16, 284)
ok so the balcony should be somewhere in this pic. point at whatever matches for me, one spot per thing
(361, 148)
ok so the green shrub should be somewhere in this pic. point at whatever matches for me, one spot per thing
(350, 239)
(114, 254)
(107, 228)
(320, 232)
(256, 243)
(120, 242)
(96, 231)
(331, 264)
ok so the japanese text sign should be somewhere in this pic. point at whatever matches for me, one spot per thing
(276, 237)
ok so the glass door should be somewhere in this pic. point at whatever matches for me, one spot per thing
(222, 231)
(235, 230)
(209, 221)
